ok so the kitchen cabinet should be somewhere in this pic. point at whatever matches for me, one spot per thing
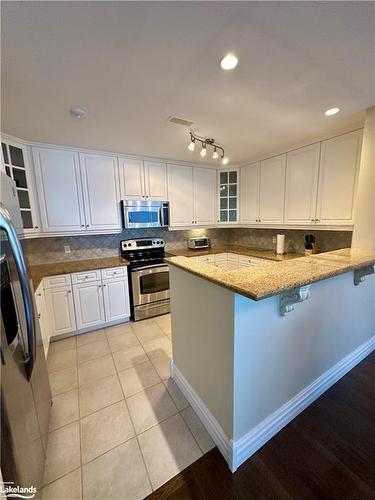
(302, 168)
(228, 196)
(249, 193)
(77, 193)
(143, 180)
(41, 311)
(116, 299)
(60, 310)
(204, 181)
(59, 189)
(88, 304)
(272, 188)
(181, 195)
(17, 167)
(339, 166)
(101, 191)
(192, 194)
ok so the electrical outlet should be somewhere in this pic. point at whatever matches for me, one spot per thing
(274, 239)
(67, 248)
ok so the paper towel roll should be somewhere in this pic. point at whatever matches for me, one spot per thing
(280, 244)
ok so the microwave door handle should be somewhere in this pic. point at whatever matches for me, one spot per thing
(161, 216)
(15, 246)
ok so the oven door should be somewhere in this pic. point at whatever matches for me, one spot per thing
(150, 284)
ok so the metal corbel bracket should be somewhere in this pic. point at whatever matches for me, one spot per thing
(289, 299)
(360, 274)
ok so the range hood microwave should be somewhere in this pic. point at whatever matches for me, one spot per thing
(141, 213)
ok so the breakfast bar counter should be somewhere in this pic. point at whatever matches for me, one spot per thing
(254, 346)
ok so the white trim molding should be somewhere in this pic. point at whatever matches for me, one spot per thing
(236, 452)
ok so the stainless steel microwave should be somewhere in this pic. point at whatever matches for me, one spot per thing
(141, 213)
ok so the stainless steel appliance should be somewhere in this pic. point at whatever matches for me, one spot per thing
(143, 213)
(148, 277)
(198, 242)
(25, 391)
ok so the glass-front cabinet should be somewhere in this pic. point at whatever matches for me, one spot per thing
(228, 196)
(15, 162)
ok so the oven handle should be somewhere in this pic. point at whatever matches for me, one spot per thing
(148, 267)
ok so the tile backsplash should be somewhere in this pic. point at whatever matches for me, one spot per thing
(46, 250)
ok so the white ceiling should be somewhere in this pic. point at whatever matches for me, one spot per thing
(133, 64)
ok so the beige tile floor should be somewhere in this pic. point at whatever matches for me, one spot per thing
(120, 427)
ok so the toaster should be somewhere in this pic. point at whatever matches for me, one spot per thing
(199, 242)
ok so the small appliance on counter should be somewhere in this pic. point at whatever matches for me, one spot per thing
(198, 243)
(310, 245)
(280, 244)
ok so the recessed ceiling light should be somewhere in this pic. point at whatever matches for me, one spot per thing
(229, 62)
(78, 112)
(332, 111)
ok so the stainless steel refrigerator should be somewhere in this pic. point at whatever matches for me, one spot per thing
(25, 389)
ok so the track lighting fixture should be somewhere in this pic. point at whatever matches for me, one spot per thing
(218, 151)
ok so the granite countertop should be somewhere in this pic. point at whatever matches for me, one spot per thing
(238, 249)
(264, 281)
(38, 272)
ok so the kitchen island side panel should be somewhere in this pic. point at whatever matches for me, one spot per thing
(275, 356)
(202, 316)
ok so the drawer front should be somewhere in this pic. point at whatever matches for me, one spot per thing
(86, 277)
(114, 272)
(57, 281)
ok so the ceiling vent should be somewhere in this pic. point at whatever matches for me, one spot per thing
(180, 121)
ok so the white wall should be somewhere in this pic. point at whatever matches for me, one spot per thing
(202, 325)
(275, 357)
(364, 222)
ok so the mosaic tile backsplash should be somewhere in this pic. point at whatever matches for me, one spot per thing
(46, 250)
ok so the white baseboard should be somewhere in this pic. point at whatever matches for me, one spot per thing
(236, 452)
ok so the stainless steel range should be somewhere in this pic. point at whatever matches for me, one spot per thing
(148, 277)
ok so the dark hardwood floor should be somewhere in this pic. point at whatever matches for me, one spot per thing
(327, 452)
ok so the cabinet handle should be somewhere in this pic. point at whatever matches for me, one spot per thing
(38, 316)
(39, 294)
(87, 225)
(317, 220)
(36, 227)
(104, 285)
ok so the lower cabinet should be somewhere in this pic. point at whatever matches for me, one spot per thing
(116, 299)
(95, 298)
(60, 309)
(88, 303)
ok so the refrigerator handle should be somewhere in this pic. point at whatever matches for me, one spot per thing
(16, 249)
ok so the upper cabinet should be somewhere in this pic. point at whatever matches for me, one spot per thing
(228, 196)
(192, 195)
(339, 166)
(77, 193)
(101, 191)
(249, 193)
(143, 180)
(302, 168)
(17, 167)
(272, 189)
(181, 195)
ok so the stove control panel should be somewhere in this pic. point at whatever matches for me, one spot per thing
(142, 244)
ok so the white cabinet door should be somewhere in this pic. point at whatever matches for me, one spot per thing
(337, 178)
(59, 190)
(181, 198)
(155, 174)
(204, 196)
(101, 191)
(88, 302)
(249, 193)
(116, 299)
(41, 309)
(272, 188)
(60, 308)
(302, 167)
(131, 179)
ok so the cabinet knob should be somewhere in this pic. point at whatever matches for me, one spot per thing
(104, 285)
(36, 227)
(38, 316)
(82, 225)
(69, 291)
(317, 220)
(87, 225)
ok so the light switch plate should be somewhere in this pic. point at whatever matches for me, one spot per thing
(66, 248)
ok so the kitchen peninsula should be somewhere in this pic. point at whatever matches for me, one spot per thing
(253, 347)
